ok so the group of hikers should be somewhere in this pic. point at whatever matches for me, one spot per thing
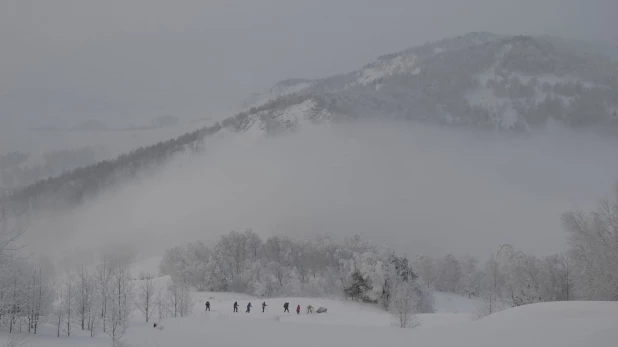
(286, 307)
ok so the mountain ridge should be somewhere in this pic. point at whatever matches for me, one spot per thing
(478, 80)
(482, 80)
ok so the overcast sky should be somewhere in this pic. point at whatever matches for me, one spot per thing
(67, 59)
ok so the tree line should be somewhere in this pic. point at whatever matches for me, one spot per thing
(587, 270)
(16, 173)
(280, 266)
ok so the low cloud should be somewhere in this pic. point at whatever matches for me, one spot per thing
(418, 189)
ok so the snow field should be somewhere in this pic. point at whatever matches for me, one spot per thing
(561, 324)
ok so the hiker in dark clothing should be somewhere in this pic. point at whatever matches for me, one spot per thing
(236, 306)
(263, 306)
(286, 307)
(248, 308)
(298, 309)
(207, 305)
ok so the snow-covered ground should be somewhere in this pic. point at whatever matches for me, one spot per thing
(350, 323)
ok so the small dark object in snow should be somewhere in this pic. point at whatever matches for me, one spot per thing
(321, 310)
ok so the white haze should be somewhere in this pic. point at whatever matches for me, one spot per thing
(417, 189)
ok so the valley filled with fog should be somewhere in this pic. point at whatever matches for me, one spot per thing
(418, 189)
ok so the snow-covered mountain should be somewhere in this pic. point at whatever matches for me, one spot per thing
(477, 80)
(282, 88)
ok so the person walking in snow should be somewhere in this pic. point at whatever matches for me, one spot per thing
(248, 308)
(236, 306)
(286, 307)
(309, 309)
(298, 309)
(264, 306)
(207, 305)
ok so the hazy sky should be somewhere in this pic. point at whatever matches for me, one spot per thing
(117, 59)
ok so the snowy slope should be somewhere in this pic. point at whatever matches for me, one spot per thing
(283, 88)
(553, 324)
(481, 80)
(453, 303)
(278, 120)
(400, 64)
(351, 323)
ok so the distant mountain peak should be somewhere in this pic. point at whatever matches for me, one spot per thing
(479, 79)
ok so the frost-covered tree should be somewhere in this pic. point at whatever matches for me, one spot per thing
(403, 305)
(448, 274)
(522, 275)
(492, 283)
(593, 250)
(69, 300)
(470, 277)
(357, 287)
(178, 300)
(557, 283)
(103, 288)
(120, 303)
(85, 293)
(241, 262)
(160, 304)
(145, 297)
(425, 267)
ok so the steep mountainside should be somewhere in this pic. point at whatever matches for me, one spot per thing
(479, 80)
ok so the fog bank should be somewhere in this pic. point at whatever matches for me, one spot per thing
(415, 188)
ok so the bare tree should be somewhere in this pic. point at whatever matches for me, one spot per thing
(103, 271)
(160, 304)
(16, 340)
(178, 300)
(121, 303)
(146, 297)
(69, 301)
(59, 311)
(402, 305)
(84, 295)
(93, 314)
(491, 287)
(41, 297)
